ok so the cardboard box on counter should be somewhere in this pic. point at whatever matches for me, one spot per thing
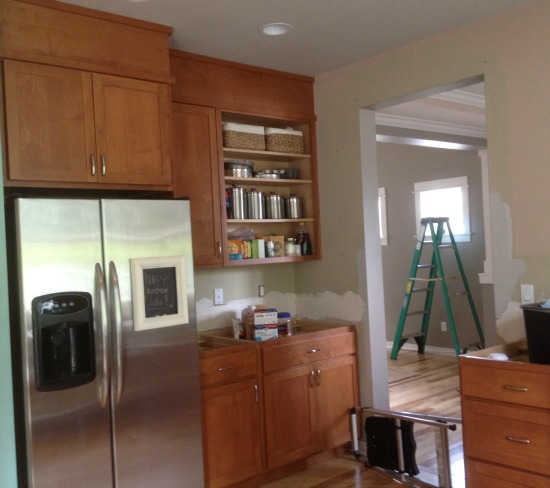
(261, 324)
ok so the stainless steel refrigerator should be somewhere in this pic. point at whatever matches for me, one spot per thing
(108, 385)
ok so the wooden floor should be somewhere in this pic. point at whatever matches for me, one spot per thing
(426, 384)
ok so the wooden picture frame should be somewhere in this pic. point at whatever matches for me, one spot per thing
(159, 291)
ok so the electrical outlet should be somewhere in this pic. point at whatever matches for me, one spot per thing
(261, 291)
(218, 296)
(443, 326)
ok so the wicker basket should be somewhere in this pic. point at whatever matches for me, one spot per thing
(284, 140)
(241, 136)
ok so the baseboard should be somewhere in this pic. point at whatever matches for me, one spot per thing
(442, 351)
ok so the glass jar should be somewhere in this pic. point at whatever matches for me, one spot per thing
(284, 321)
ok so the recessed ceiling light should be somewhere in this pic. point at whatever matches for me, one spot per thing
(276, 29)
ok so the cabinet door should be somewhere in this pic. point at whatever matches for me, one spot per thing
(50, 125)
(336, 394)
(195, 171)
(133, 130)
(290, 415)
(231, 433)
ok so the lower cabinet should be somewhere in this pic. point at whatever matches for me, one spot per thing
(506, 420)
(231, 433)
(307, 409)
(269, 404)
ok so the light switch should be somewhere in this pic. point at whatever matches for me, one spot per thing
(527, 294)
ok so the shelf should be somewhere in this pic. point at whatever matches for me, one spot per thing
(263, 155)
(285, 259)
(266, 181)
(269, 221)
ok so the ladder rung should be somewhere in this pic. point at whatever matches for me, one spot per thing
(422, 266)
(424, 279)
(444, 246)
(416, 290)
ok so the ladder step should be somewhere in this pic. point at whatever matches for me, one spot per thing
(424, 279)
(422, 266)
(410, 335)
(416, 290)
(445, 246)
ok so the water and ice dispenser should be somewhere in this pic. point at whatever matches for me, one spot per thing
(64, 349)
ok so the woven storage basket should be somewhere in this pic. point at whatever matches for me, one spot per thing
(284, 140)
(242, 136)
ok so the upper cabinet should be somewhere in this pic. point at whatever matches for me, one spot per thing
(210, 93)
(71, 126)
(87, 98)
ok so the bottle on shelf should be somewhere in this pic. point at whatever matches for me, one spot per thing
(303, 241)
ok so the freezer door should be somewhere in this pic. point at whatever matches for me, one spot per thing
(67, 430)
(156, 402)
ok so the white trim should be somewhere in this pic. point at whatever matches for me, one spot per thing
(429, 125)
(382, 216)
(486, 277)
(461, 97)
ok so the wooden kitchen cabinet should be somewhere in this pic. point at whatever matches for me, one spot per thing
(196, 174)
(78, 129)
(231, 416)
(249, 95)
(506, 420)
(307, 405)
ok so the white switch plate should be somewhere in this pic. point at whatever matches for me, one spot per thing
(261, 291)
(218, 296)
(527, 294)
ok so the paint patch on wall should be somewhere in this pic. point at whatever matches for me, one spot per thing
(510, 325)
(215, 317)
(327, 305)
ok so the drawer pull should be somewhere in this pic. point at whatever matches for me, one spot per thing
(256, 393)
(318, 377)
(517, 439)
(311, 351)
(515, 388)
(225, 368)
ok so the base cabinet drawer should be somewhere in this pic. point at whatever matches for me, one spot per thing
(514, 436)
(487, 475)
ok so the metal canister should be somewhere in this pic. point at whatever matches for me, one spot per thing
(293, 207)
(255, 204)
(274, 206)
(237, 202)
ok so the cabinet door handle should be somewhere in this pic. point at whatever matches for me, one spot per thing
(103, 165)
(515, 388)
(256, 393)
(225, 368)
(312, 351)
(520, 440)
(219, 248)
(92, 161)
(312, 378)
(318, 377)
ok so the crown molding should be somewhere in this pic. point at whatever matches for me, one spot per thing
(429, 125)
(462, 97)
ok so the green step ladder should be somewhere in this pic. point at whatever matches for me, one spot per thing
(436, 226)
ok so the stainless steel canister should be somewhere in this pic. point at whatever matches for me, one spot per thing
(255, 204)
(274, 206)
(237, 202)
(293, 207)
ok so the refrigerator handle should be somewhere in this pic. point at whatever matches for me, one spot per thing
(103, 385)
(116, 319)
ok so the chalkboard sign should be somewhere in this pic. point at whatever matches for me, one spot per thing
(160, 292)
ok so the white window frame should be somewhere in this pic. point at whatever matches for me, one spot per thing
(442, 184)
(382, 217)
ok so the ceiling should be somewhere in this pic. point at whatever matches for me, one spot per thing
(327, 34)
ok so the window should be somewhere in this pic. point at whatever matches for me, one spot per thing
(445, 198)
(382, 223)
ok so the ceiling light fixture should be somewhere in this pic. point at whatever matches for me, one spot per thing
(276, 29)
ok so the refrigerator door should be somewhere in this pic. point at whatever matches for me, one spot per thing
(155, 383)
(67, 430)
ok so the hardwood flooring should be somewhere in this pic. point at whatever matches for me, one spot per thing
(426, 384)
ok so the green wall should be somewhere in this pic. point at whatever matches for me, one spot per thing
(7, 430)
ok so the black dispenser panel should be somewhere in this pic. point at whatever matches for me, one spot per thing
(64, 349)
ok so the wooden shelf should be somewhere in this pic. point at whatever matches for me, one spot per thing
(263, 155)
(266, 181)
